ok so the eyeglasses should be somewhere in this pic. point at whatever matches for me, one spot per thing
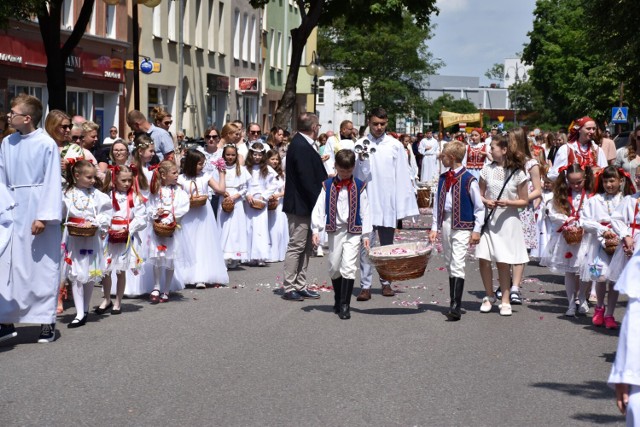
(76, 138)
(65, 127)
(212, 136)
(113, 131)
(12, 114)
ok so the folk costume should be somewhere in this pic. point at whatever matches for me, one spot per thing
(389, 189)
(459, 212)
(429, 148)
(342, 210)
(30, 265)
(475, 158)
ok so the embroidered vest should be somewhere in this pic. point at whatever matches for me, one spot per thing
(462, 217)
(354, 223)
(475, 157)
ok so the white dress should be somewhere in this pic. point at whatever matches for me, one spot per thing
(167, 251)
(558, 255)
(233, 241)
(543, 225)
(84, 256)
(201, 230)
(258, 219)
(126, 256)
(624, 221)
(429, 148)
(503, 239)
(278, 228)
(596, 219)
(30, 265)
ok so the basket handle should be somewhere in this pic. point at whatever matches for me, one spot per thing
(192, 182)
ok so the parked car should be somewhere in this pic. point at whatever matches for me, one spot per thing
(621, 139)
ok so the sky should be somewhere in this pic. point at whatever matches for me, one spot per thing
(472, 35)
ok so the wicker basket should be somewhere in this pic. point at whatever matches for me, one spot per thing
(85, 229)
(272, 205)
(258, 202)
(118, 236)
(610, 245)
(573, 235)
(395, 266)
(196, 201)
(424, 197)
(228, 204)
(164, 230)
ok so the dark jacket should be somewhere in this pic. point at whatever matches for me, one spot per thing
(304, 176)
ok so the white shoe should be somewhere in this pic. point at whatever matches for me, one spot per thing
(487, 304)
(201, 286)
(583, 308)
(571, 311)
(261, 264)
(505, 310)
(320, 252)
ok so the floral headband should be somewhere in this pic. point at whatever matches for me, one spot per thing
(254, 147)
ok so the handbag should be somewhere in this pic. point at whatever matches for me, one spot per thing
(488, 217)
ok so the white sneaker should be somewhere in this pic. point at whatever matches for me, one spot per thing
(571, 311)
(201, 286)
(505, 310)
(320, 252)
(583, 308)
(487, 304)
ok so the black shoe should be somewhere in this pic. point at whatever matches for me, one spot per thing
(7, 331)
(116, 311)
(344, 311)
(337, 286)
(76, 323)
(99, 310)
(515, 298)
(47, 333)
(306, 293)
(292, 296)
(458, 287)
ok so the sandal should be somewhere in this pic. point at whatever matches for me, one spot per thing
(515, 298)
(154, 297)
(164, 297)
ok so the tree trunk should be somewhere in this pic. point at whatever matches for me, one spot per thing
(299, 38)
(57, 54)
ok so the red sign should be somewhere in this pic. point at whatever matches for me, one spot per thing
(248, 84)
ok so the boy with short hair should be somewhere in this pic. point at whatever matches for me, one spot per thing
(30, 262)
(342, 209)
(459, 213)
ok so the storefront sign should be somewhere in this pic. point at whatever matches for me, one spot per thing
(217, 83)
(248, 84)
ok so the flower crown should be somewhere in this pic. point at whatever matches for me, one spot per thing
(254, 147)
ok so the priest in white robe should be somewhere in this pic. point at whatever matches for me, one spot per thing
(429, 148)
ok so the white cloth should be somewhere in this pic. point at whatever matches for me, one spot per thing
(626, 367)
(30, 265)
(201, 230)
(503, 240)
(7, 204)
(562, 158)
(455, 244)
(319, 213)
(167, 251)
(543, 225)
(389, 189)
(258, 219)
(621, 221)
(278, 227)
(478, 206)
(234, 242)
(84, 256)
(242, 149)
(430, 149)
(327, 149)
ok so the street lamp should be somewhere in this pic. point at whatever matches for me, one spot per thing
(316, 70)
(517, 77)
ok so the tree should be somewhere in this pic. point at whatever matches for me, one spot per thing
(496, 72)
(315, 12)
(569, 74)
(49, 15)
(386, 73)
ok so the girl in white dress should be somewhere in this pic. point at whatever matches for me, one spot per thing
(543, 223)
(168, 203)
(626, 223)
(261, 186)
(233, 240)
(83, 256)
(200, 228)
(596, 221)
(123, 248)
(503, 240)
(569, 196)
(278, 224)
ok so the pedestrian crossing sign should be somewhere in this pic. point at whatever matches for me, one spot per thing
(619, 114)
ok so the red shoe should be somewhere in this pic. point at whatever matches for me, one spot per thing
(154, 297)
(610, 322)
(598, 317)
(164, 297)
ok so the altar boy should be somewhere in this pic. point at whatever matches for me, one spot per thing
(459, 213)
(342, 210)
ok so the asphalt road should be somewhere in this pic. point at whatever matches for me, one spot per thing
(242, 356)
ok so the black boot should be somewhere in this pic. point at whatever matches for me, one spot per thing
(455, 310)
(337, 286)
(452, 293)
(345, 298)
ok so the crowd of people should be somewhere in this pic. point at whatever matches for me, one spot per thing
(144, 210)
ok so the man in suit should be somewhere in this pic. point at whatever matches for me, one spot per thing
(305, 174)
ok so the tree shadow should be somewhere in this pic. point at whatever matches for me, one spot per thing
(548, 278)
(599, 418)
(588, 389)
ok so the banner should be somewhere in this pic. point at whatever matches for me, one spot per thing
(448, 118)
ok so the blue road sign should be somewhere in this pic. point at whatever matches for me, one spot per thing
(619, 114)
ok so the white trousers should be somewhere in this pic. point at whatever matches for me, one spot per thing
(344, 249)
(454, 244)
(633, 408)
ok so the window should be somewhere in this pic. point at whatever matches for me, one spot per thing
(171, 21)
(236, 35)
(66, 17)
(279, 52)
(272, 48)
(91, 28)
(158, 97)
(156, 29)
(187, 27)
(77, 103)
(254, 43)
(321, 91)
(199, 29)
(211, 30)
(110, 21)
(289, 47)
(245, 38)
(222, 28)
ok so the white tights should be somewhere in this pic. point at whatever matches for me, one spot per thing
(82, 298)
(157, 270)
(572, 284)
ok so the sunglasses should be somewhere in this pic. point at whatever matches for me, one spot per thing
(86, 251)
(76, 138)
(66, 127)
(213, 136)
(254, 132)
(167, 123)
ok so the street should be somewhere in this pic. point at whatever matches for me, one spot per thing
(241, 356)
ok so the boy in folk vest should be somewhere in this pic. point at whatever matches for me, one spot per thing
(459, 213)
(342, 210)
